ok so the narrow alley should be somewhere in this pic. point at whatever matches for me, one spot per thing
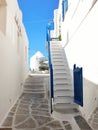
(58, 90)
(32, 109)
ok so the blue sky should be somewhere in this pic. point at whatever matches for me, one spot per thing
(36, 15)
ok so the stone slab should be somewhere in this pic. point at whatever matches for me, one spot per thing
(83, 125)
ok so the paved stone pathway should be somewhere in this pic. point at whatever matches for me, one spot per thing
(32, 109)
(94, 119)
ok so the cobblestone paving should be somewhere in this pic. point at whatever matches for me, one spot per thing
(94, 119)
(31, 111)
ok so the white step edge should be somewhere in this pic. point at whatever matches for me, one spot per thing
(62, 81)
(63, 117)
(63, 93)
(62, 86)
(60, 72)
(65, 105)
(66, 77)
(66, 99)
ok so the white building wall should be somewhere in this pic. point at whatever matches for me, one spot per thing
(34, 64)
(83, 46)
(57, 25)
(56, 21)
(35, 61)
(13, 58)
(79, 37)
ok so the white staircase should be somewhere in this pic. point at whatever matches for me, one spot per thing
(62, 80)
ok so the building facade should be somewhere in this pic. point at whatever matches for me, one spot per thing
(78, 27)
(13, 55)
(35, 61)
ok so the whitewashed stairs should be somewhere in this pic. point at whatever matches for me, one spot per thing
(62, 80)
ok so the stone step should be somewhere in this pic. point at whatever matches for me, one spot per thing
(58, 57)
(34, 85)
(58, 54)
(65, 105)
(33, 91)
(55, 58)
(65, 99)
(60, 77)
(58, 63)
(58, 60)
(39, 87)
(63, 92)
(56, 48)
(67, 111)
(54, 53)
(56, 45)
(62, 86)
(57, 51)
(55, 42)
(60, 72)
(66, 84)
(33, 80)
(61, 67)
(66, 77)
(62, 81)
(64, 66)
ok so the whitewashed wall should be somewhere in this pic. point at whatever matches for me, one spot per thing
(89, 98)
(82, 46)
(13, 59)
(79, 34)
(35, 61)
(34, 64)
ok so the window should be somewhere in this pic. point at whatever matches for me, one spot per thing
(66, 5)
(64, 8)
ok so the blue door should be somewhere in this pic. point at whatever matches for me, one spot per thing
(78, 85)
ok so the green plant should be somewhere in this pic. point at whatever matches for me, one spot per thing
(59, 37)
(42, 68)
